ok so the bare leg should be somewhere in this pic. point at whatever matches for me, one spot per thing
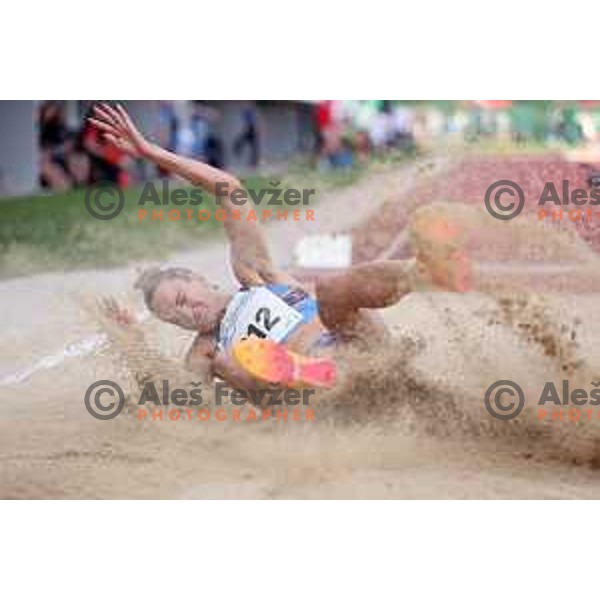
(444, 236)
(344, 297)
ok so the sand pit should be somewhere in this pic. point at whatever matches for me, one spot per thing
(413, 424)
(426, 434)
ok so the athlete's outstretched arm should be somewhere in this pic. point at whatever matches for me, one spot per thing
(251, 260)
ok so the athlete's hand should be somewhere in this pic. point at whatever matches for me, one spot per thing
(110, 309)
(118, 129)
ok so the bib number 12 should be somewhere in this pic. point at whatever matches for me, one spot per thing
(263, 323)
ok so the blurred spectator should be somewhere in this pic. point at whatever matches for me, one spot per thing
(381, 128)
(213, 145)
(201, 130)
(78, 160)
(570, 129)
(334, 147)
(207, 144)
(53, 135)
(167, 133)
(214, 151)
(249, 136)
(53, 128)
(362, 145)
(587, 126)
(64, 161)
(323, 120)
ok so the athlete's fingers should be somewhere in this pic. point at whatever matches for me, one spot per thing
(113, 139)
(104, 114)
(110, 308)
(127, 122)
(120, 314)
(124, 317)
(133, 130)
(111, 112)
(102, 307)
(113, 309)
(123, 114)
(108, 117)
(119, 142)
(116, 117)
(107, 302)
(112, 303)
(103, 125)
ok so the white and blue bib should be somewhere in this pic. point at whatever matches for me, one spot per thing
(271, 311)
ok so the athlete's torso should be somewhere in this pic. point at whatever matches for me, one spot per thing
(285, 314)
(279, 312)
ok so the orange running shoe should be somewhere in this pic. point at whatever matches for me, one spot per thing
(274, 363)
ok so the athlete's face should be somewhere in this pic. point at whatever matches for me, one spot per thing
(189, 303)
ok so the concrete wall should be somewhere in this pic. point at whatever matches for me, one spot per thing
(19, 155)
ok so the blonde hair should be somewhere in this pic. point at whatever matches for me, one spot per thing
(150, 279)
